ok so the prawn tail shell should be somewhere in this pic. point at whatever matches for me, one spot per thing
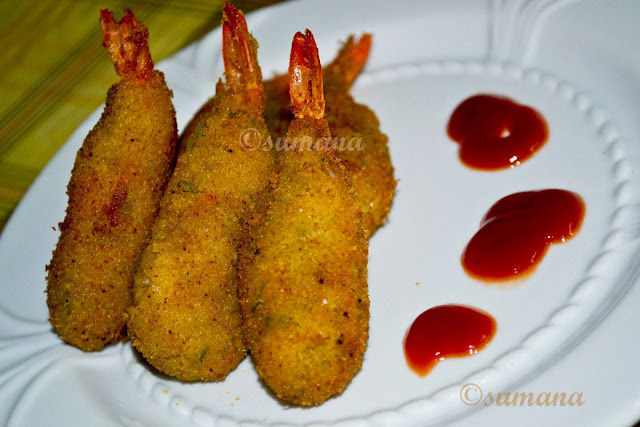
(305, 77)
(239, 51)
(127, 44)
(352, 57)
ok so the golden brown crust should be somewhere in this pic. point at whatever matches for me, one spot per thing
(186, 319)
(303, 281)
(114, 193)
(370, 168)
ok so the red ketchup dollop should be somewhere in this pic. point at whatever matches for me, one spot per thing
(517, 231)
(446, 331)
(495, 132)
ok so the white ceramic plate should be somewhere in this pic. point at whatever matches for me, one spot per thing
(573, 61)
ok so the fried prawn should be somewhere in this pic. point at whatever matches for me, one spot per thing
(186, 317)
(355, 130)
(114, 193)
(303, 275)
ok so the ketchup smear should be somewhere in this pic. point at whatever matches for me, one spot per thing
(446, 331)
(517, 231)
(495, 132)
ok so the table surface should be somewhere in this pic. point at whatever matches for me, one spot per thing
(56, 72)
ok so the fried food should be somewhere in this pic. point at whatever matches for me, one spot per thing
(369, 167)
(186, 318)
(114, 193)
(303, 275)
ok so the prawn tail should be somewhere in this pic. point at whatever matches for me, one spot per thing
(350, 60)
(127, 44)
(305, 77)
(239, 51)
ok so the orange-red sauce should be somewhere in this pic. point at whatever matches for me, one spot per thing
(495, 132)
(517, 231)
(446, 331)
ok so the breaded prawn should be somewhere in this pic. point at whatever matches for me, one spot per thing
(303, 276)
(355, 129)
(186, 317)
(114, 193)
